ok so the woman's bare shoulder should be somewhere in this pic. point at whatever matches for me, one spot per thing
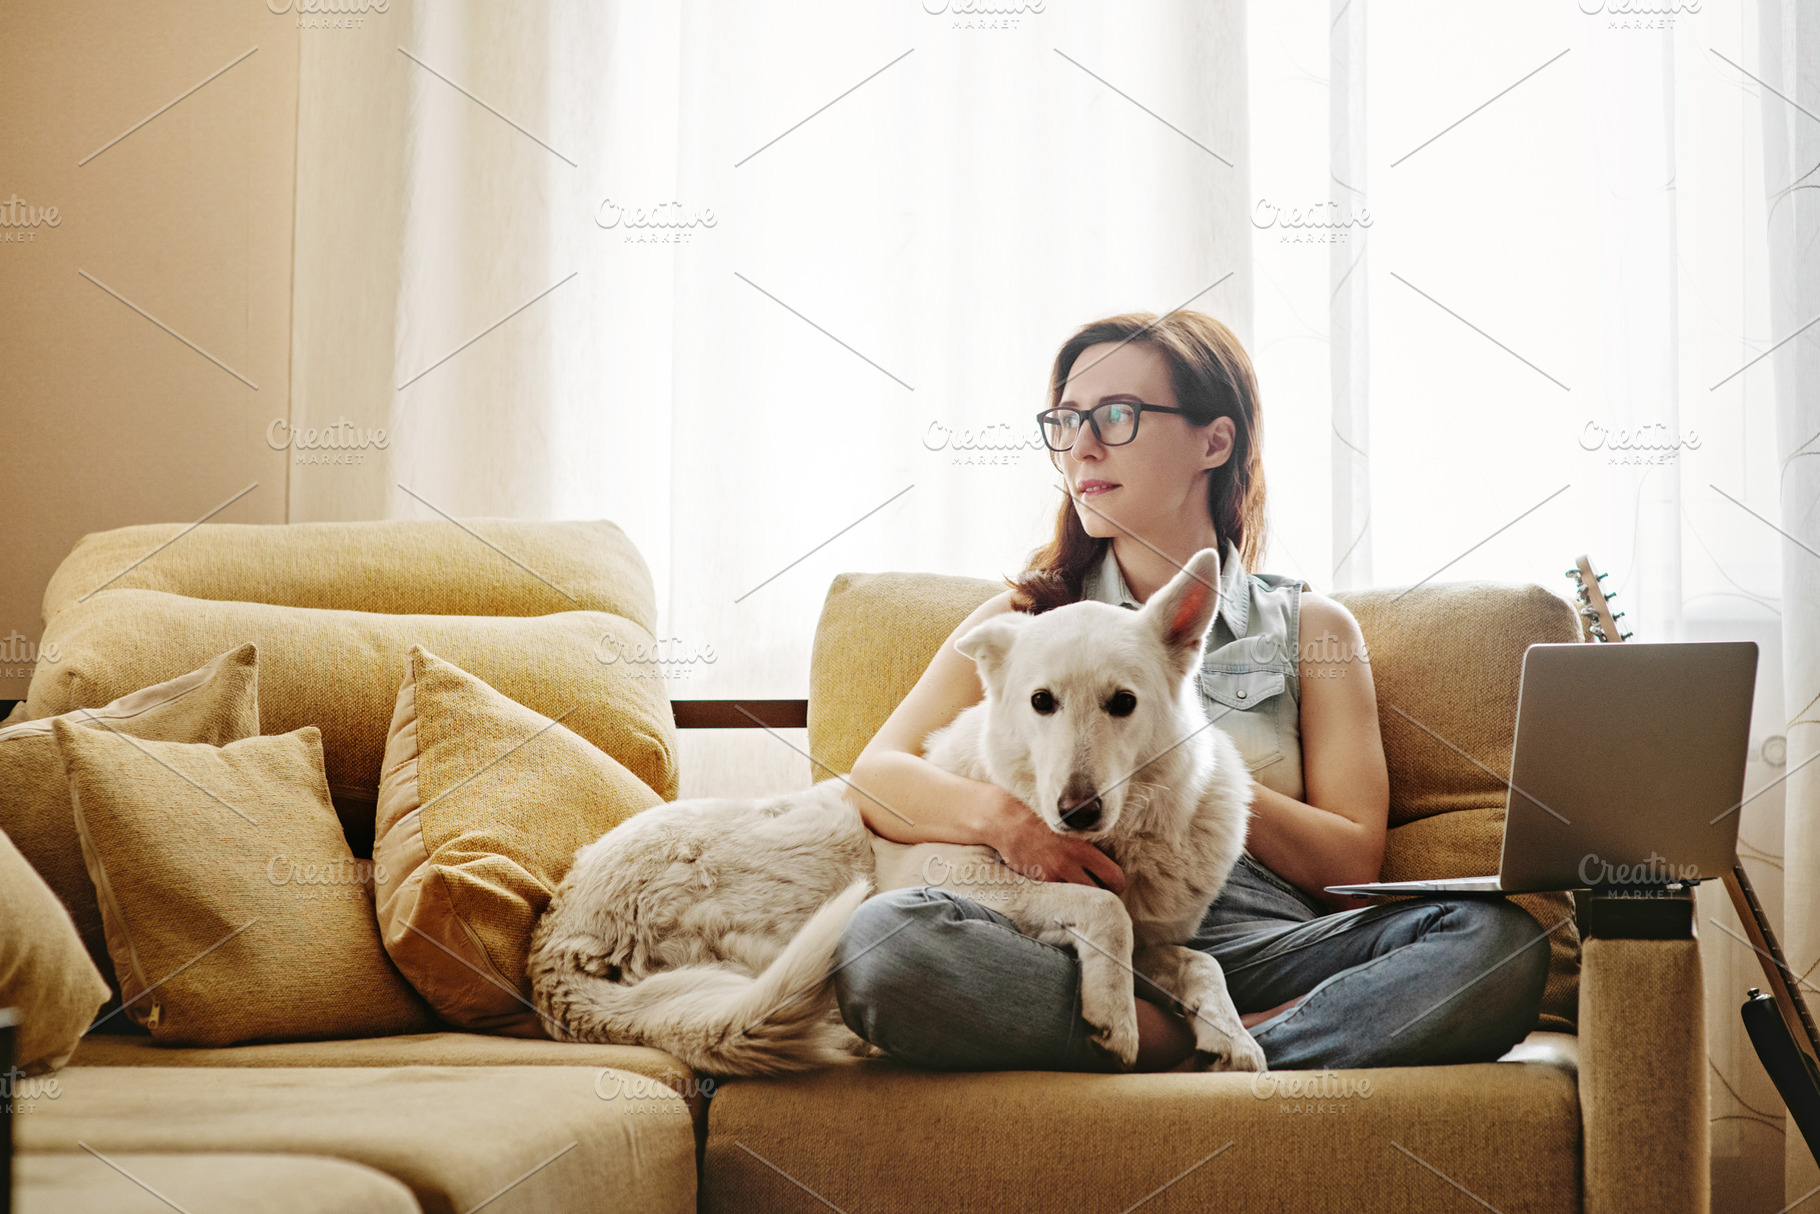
(1321, 614)
(1333, 662)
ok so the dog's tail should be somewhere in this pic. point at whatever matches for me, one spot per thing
(717, 1020)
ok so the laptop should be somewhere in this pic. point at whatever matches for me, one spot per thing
(1627, 769)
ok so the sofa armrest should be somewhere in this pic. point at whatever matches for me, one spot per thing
(1643, 1097)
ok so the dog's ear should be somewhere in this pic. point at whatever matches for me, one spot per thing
(1182, 610)
(989, 643)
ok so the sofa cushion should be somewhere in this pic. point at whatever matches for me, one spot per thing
(398, 566)
(45, 974)
(876, 636)
(1056, 1142)
(1468, 843)
(217, 703)
(1446, 659)
(339, 670)
(482, 806)
(433, 1049)
(233, 908)
(85, 1183)
(518, 1138)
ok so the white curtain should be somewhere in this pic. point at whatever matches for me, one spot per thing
(1585, 232)
(1788, 53)
(1348, 216)
(776, 287)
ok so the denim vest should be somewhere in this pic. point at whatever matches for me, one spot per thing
(1250, 678)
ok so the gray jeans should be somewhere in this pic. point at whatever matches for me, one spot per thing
(940, 981)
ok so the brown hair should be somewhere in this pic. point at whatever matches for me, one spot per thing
(1213, 378)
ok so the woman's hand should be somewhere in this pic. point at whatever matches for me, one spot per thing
(1027, 844)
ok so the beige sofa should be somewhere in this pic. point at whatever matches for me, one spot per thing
(1602, 1109)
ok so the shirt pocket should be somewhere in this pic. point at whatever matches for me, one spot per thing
(1247, 704)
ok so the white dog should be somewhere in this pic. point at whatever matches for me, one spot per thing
(708, 928)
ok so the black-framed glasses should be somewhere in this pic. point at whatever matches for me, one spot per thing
(1114, 422)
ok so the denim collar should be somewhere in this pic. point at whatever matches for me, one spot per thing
(1106, 582)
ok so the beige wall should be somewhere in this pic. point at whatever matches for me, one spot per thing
(109, 419)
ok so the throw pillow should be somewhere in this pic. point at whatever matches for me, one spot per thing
(43, 970)
(482, 806)
(216, 704)
(233, 908)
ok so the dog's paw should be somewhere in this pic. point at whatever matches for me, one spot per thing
(1240, 1053)
(1118, 1040)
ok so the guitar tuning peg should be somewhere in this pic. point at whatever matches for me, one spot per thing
(1603, 576)
(1617, 615)
(1573, 573)
(1625, 636)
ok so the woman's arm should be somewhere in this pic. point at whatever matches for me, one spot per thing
(1336, 837)
(903, 796)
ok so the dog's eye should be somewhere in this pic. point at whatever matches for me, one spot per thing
(1043, 701)
(1121, 703)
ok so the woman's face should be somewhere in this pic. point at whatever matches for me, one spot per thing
(1158, 475)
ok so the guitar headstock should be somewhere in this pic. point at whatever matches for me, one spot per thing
(1595, 602)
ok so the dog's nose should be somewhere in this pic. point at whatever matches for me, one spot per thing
(1082, 815)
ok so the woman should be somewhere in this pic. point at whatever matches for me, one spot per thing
(1153, 425)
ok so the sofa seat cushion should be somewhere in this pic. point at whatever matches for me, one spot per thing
(516, 1138)
(427, 1049)
(1054, 1142)
(203, 1184)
